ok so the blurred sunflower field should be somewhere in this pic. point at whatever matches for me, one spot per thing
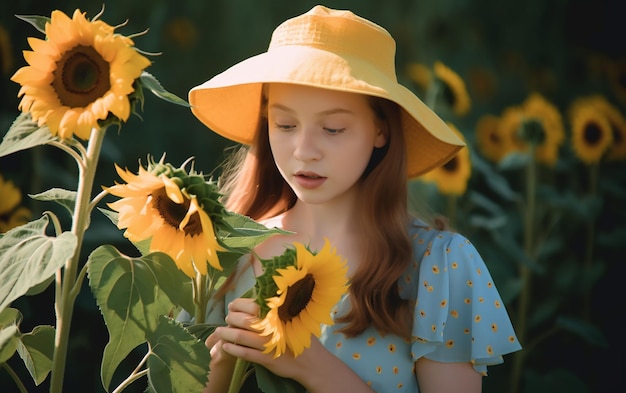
(537, 89)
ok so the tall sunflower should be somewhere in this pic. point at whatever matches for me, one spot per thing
(617, 150)
(297, 292)
(591, 133)
(80, 74)
(173, 209)
(535, 121)
(454, 91)
(452, 177)
(539, 109)
(11, 214)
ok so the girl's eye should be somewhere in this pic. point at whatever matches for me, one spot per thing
(334, 131)
(284, 127)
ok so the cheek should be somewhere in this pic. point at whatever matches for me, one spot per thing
(279, 148)
(354, 159)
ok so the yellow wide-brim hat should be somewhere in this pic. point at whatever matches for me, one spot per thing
(330, 49)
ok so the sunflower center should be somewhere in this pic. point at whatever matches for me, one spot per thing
(173, 213)
(81, 77)
(532, 131)
(298, 296)
(452, 165)
(592, 133)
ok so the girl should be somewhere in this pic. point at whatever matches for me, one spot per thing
(331, 140)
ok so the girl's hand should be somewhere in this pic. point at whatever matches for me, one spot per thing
(239, 339)
(316, 368)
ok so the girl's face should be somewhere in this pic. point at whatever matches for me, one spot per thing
(322, 140)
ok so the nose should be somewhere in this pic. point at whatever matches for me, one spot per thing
(307, 145)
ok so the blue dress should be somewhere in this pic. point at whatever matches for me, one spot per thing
(459, 316)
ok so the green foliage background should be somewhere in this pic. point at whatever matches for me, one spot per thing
(536, 45)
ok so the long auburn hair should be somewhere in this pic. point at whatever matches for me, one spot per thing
(254, 187)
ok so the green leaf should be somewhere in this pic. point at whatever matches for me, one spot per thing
(132, 293)
(179, 361)
(10, 316)
(149, 82)
(8, 342)
(494, 179)
(36, 350)
(36, 20)
(28, 257)
(243, 233)
(24, 134)
(585, 330)
(271, 383)
(65, 198)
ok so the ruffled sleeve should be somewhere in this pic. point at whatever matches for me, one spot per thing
(459, 315)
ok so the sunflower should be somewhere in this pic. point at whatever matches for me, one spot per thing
(11, 214)
(78, 75)
(537, 108)
(510, 123)
(301, 298)
(617, 150)
(591, 133)
(157, 203)
(454, 90)
(452, 177)
(489, 139)
(535, 121)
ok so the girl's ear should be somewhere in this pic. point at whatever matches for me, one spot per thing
(381, 136)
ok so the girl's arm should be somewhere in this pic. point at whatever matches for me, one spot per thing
(316, 368)
(441, 377)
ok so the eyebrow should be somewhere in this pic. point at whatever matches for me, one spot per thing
(330, 111)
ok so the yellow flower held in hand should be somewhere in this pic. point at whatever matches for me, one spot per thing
(307, 292)
(154, 206)
(79, 74)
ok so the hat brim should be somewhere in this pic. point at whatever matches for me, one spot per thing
(230, 102)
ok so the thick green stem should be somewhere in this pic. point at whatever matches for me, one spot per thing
(524, 269)
(238, 375)
(200, 297)
(65, 304)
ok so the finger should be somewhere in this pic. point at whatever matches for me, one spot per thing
(211, 340)
(244, 305)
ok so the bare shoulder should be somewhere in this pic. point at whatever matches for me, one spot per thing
(275, 244)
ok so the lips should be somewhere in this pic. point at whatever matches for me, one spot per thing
(309, 180)
(309, 175)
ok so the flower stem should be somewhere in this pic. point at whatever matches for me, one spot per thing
(593, 185)
(238, 376)
(65, 304)
(200, 297)
(15, 377)
(524, 269)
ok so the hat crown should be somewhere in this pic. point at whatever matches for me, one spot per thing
(340, 32)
